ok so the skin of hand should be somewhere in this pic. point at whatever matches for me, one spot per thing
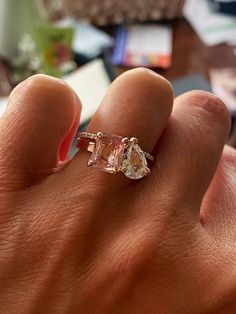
(76, 240)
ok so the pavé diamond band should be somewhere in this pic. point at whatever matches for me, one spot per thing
(114, 154)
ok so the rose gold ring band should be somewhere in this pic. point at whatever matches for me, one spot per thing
(114, 154)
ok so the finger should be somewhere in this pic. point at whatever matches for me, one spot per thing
(38, 126)
(218, 210)
(189, 152)
(138, 104)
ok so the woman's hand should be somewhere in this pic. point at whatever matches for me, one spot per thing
(76, 240)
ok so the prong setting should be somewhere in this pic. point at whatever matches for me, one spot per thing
(134, 140)
(90, 163)
(125, 140)
(124, 169)
(100, 135)
(148, 171)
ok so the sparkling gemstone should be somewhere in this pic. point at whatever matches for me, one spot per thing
(135, 163)
(108, 153)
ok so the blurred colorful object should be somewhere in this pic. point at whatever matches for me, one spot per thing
(88, 42)
(148, 45)
(16, 19)
(117, 11)
(55, 48)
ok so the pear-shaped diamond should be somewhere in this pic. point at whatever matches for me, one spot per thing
(135, 163)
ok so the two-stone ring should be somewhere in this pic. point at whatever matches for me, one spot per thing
(114, 154)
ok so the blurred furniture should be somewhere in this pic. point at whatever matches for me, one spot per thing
(117, 11)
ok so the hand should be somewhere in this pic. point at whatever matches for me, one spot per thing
(76, 240)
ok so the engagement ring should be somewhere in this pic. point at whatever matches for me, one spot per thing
(114, 154)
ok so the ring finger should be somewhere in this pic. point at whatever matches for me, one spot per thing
(138, 104)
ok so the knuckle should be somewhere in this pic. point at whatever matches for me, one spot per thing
(44, 97)
(132, 253)
(209, 104)
(44, 90)
(144, 78)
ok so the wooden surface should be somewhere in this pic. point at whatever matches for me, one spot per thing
(191, 56)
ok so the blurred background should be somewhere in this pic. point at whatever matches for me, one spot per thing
(88, 43)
